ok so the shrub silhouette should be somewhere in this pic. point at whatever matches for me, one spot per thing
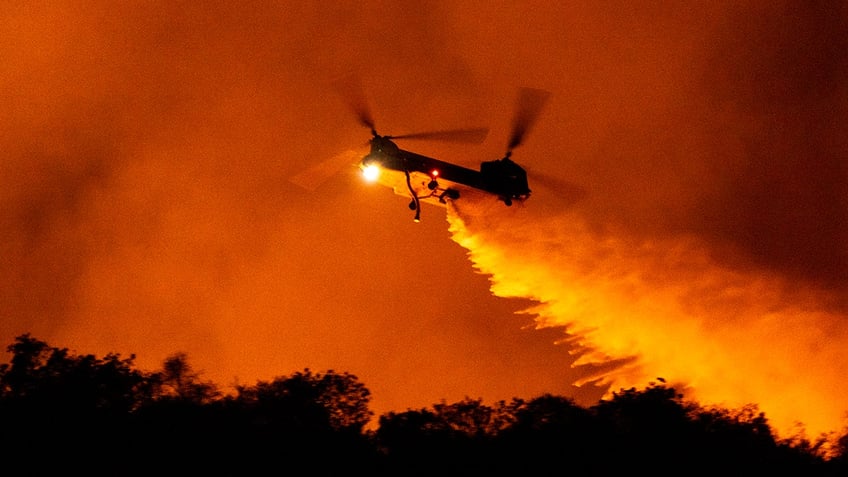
(62, 412)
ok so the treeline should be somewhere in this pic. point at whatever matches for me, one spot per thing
(61, 412)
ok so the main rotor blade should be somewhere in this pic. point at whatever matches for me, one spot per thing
(529, 105)
(474, 135)
(312, 177)
(350, 88)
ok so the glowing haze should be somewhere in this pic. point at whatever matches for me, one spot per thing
(688, 216)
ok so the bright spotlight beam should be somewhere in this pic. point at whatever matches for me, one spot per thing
(371, 172)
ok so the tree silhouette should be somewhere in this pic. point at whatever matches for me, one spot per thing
(549, 432)
(68, 413)
(43, 382)
(446, 439)
(65, 407)
(178, 382)
(330, 401)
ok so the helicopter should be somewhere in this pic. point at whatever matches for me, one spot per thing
(429, 180)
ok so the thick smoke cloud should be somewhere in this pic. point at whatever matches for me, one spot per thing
(147, 208)
(688, 182)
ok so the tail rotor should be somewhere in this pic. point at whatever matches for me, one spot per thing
(529, 105)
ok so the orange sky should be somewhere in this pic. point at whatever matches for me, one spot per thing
(696, 229)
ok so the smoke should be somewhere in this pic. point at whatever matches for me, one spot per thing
(146, 206)
(691, 224)
(143, 150)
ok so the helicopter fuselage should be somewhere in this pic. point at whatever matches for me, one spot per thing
(426, 178)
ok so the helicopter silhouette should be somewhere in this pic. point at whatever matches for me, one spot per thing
(430, 180)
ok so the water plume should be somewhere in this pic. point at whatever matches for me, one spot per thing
(636, 310)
